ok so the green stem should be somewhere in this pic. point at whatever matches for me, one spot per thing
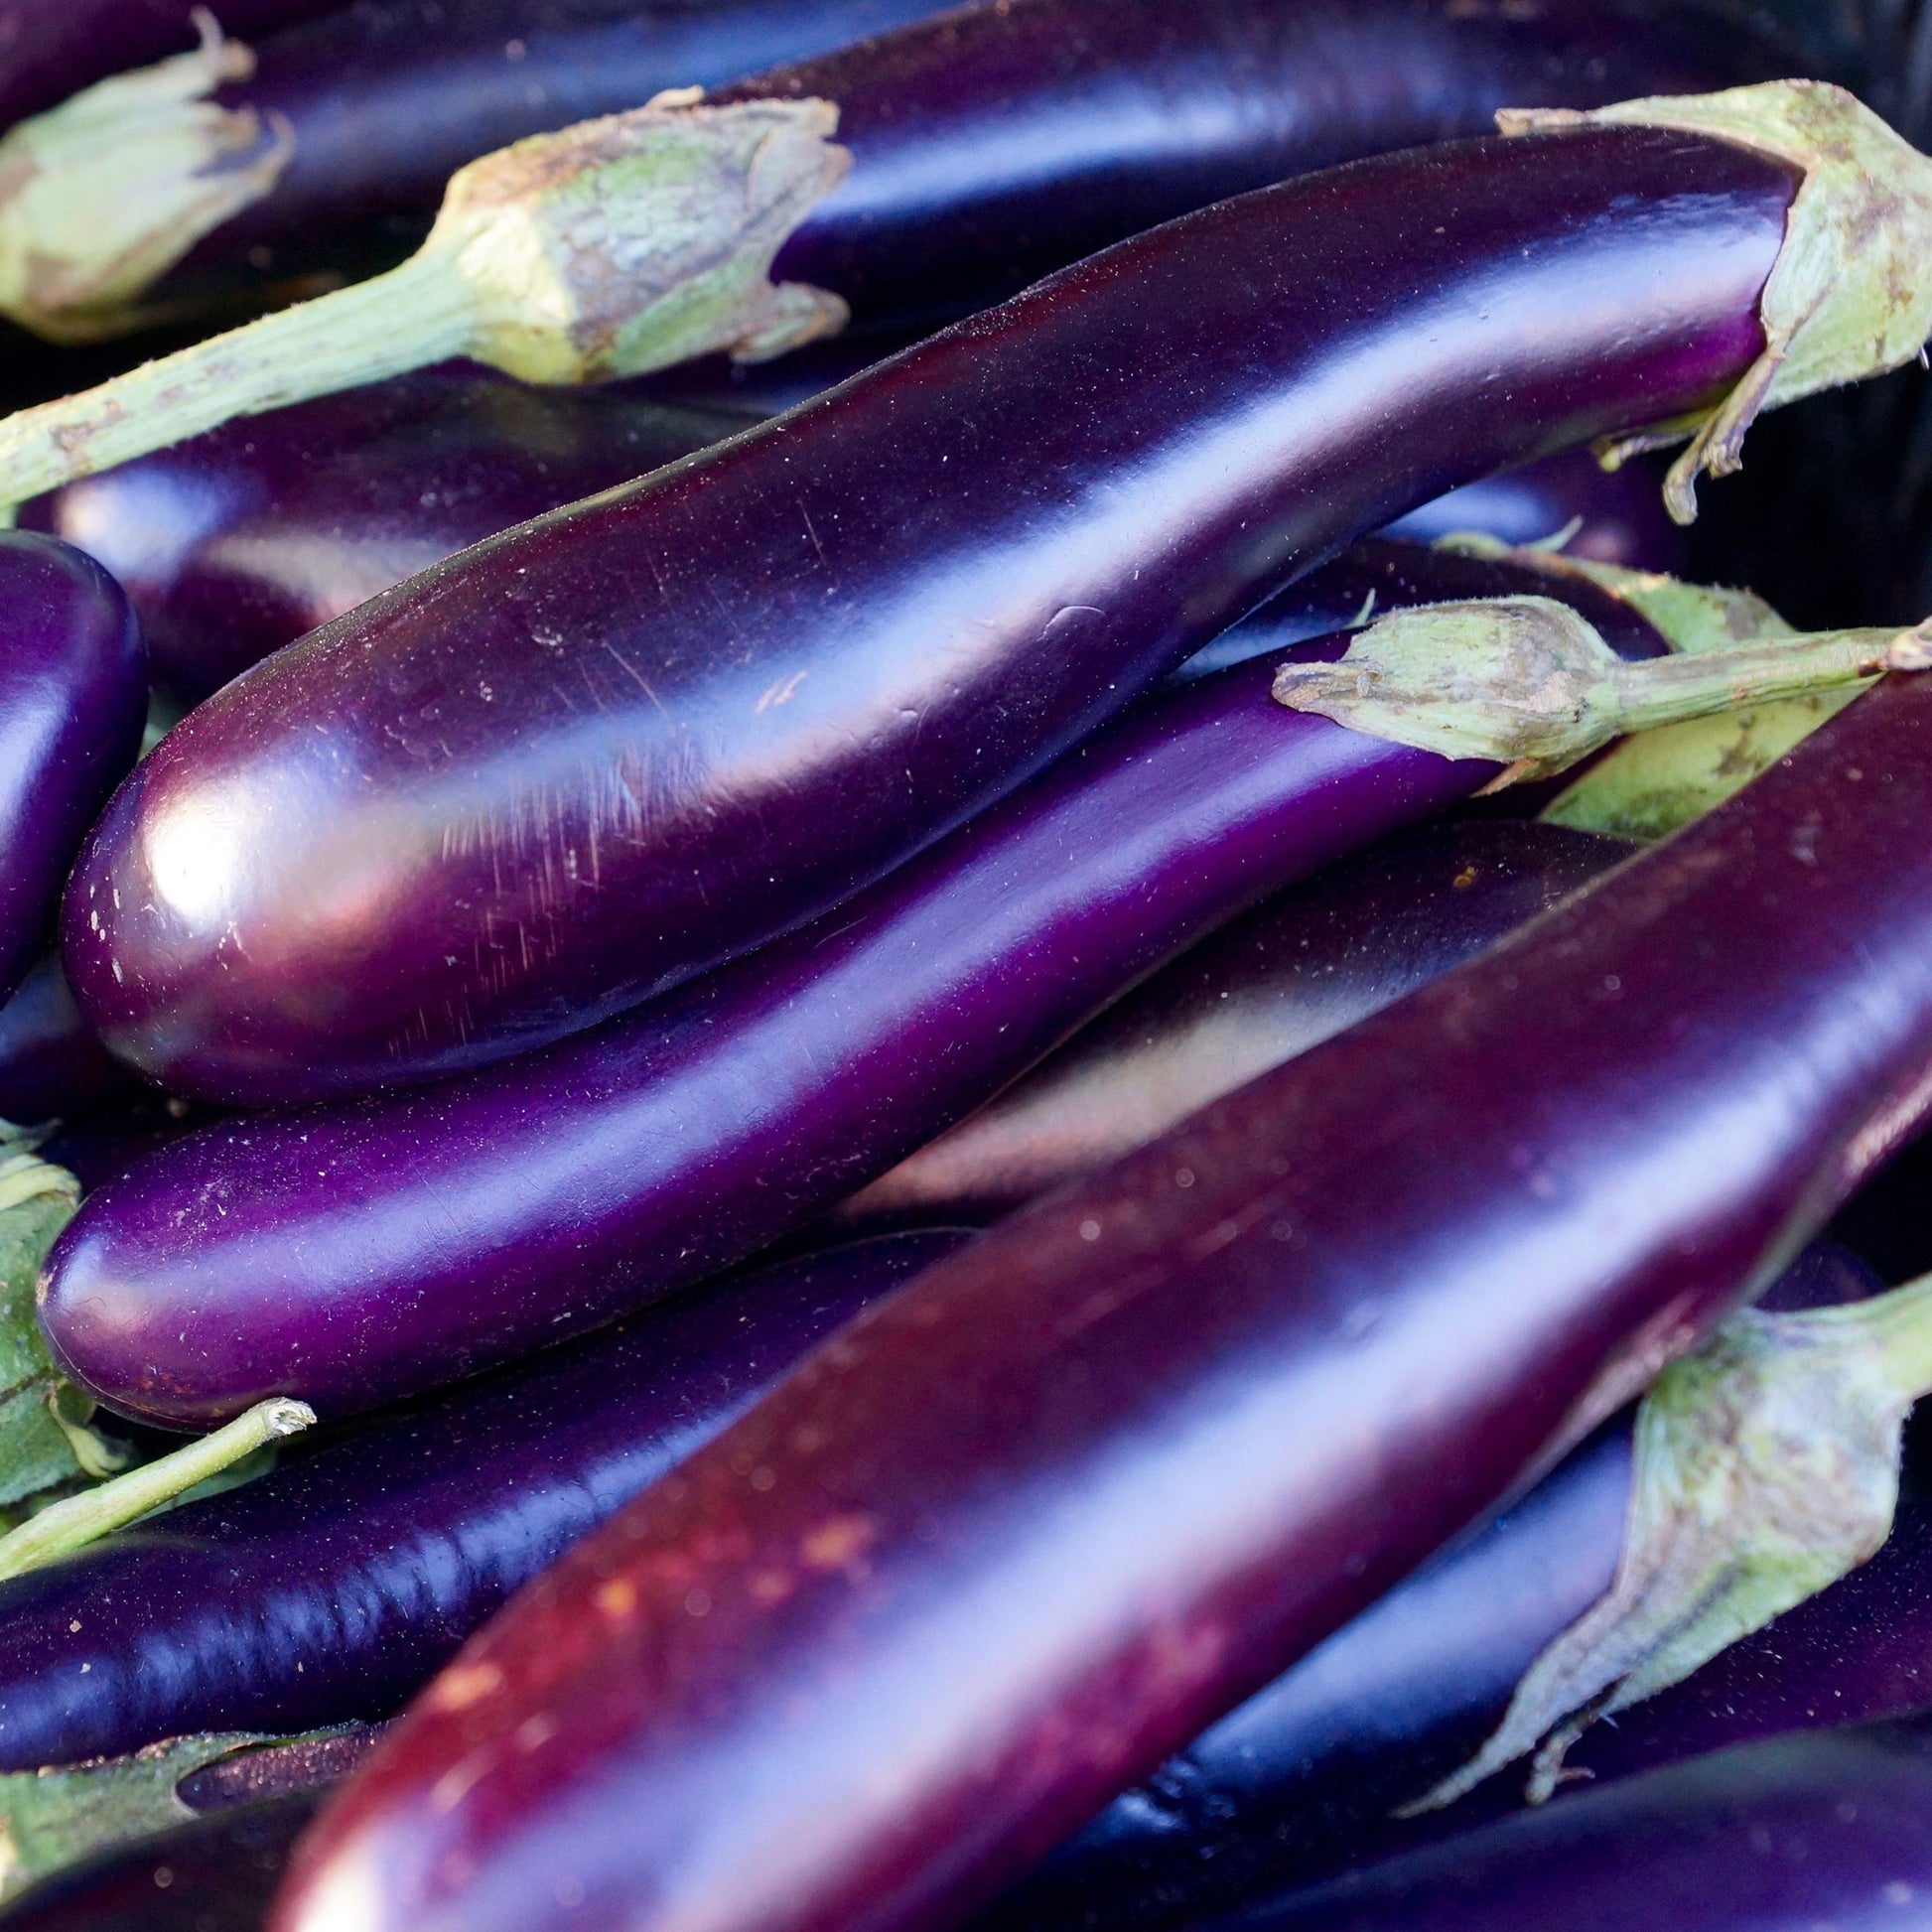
(1664, 690)
(416, 314)
(1899, 1325)
(63, 1527)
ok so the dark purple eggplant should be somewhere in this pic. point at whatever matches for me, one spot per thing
(1010, 1538)
(1308, 963)
(51, 1062)
(331, 1588)
(989, 147)
(216, 1873)
(1832, 1830)
(1302, 1780)
(594, 755)
(234, 544)
(609, 1169)
(47, 53)
(73, 698)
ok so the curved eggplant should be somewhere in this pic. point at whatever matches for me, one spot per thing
(237, 543)
(73, 698)
(988, 146)
(51, 1062)
(595, 755)
(1293, 972)
(1828, 1829)
(1012, 1537)
(363, 1250)
(333, 1588)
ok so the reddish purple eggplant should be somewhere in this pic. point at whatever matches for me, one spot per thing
(333, 1588)
(1008, 1540)
(51, 1062)
(598, 753)
(988, 146)
(237, 543)
(1302, 1780)
(73, 698)
(363, 1250)
(1827, 1831)
(1297, 970)
(47, 53)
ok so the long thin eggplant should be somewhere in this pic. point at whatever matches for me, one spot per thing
(594, 755)
(73, 701)
(1297, 970)
(235, 543)
(988, 146)
(1831, 1830)
(239, 542)
(1010, 1538)
(331, 1588)
(1304, 1779)
(609, 1169)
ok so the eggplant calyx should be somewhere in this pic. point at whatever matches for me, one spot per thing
(76, 1521)
(1766, 1468)
(1525, 682)
(614, 246)
(1849, 296)
(104, 194)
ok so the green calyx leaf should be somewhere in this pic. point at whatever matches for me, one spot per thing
(1849, 296)
(1766, 1467)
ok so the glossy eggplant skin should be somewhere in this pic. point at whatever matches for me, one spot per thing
(1828, 1829)
(1291, 973)
(993, 144)
(211, 1874)
(591, 756)
(1019, 1532)
(611, 1169)
(1300, 1782)
(385, 100)
(74, 697)
(333, 1588)
(51, 1062)
(237, 543)
(47, 53)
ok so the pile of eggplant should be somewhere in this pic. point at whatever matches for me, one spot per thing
(936, 989)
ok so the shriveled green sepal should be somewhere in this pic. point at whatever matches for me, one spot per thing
(1527, 683)
(102, 196)
(616, 246)
(1849, 296)
(1766, 1468)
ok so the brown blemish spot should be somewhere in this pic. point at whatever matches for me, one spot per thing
(463, 1685)
(616, 1598)
(838, 1542)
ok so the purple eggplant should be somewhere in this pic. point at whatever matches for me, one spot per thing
(47, 53)
(51, 1062)
(1010, 1538)
(1833, 1830)
(1302, 1780)
(501, 1209)
(604, 751)
(333, 1588)
(73, 698)
(989, 147)
(237, 543)
(1297, 970)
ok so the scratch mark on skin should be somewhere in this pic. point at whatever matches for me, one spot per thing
(813, 534)
(780, 693)
(636, 676)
